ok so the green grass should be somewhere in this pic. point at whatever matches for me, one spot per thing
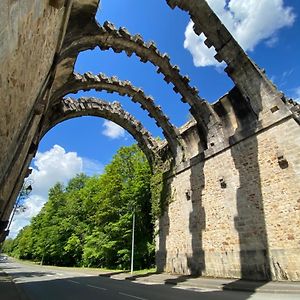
(144, 271)
(101, 270)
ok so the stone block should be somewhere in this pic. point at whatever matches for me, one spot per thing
(25, 7)
(4, 45)
(4, 15)
(39, 7)
(14, 12)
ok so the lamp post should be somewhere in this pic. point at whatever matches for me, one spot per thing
(24, 193)
(132, 241)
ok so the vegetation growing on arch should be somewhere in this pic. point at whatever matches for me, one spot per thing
(88, 222)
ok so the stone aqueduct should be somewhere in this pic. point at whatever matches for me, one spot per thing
(233, 184)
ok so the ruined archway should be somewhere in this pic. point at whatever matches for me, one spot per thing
(100, 82)
(246, 135)
(73, 108)
(109, 37)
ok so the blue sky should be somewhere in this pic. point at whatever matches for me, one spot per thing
(268, 29)
(154, 20)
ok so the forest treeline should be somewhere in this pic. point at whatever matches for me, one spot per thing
(88, 222)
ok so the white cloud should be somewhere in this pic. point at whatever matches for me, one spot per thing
(91, 167)
(202, 55)
(55, 165)
(272, 41)
(112, 130)
(283, 79)
(296, 94)
(50, 167)
(250, 22)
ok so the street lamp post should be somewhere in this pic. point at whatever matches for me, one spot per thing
(24, 193)
(132, 242)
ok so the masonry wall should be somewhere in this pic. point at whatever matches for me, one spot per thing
(235, 209)
(29, 36)
(237, 214)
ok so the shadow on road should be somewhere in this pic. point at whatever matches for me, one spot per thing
(242, 285)
(237, 285)
(95, 287)
(29, 274)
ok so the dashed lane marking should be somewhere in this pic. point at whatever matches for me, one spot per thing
(97, 287)
(131, 296)
(74, 281)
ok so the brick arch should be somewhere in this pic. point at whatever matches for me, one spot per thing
(71, 108)
(88, 81)
(109, 37)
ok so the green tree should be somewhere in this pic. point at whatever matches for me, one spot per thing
(89, 221)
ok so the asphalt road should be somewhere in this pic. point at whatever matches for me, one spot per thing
(44, 283)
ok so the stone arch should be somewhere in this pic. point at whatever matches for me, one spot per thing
(206, 21)
(109, 37)
(71, 108)
(90, 81)
(250, 80)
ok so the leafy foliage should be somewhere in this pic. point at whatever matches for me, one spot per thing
(88, 222)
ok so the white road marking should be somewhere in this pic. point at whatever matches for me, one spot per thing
(131, 296)
(97, 287)
(146, 282)
(73, 281)
(196, 289)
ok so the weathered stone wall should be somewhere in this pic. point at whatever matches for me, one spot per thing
(234, 186)
(236, 213)
(29, 35)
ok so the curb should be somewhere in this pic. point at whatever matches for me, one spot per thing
(242, 286)
(265, 290)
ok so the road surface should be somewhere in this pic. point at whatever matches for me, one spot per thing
(50, 283)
